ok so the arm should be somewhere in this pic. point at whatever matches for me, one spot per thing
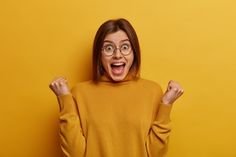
(72, 139)
(71, 135)
(157, 140)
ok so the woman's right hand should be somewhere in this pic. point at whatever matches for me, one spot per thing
(60, 86)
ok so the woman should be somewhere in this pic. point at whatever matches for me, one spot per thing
(117, 114)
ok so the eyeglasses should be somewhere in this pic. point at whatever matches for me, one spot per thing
(110, 49)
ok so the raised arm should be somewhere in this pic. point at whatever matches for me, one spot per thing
(157, 140)
(71, 135)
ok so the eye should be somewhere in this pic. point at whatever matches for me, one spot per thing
(108, 48)
(125, 47)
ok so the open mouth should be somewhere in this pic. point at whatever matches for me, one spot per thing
(118, 68)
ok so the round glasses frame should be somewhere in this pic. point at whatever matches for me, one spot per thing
(116, 48)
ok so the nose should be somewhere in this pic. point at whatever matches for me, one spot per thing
(117, 54)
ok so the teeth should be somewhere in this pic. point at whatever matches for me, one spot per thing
(118, 64)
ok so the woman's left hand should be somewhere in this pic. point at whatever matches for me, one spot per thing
(173, 92)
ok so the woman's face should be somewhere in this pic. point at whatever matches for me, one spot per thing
(117, 55)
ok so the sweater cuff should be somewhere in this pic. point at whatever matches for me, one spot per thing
(163, 114)
(66, 103)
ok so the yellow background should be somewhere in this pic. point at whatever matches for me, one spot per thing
(190, 41)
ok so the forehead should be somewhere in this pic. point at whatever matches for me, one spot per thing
(116, 36)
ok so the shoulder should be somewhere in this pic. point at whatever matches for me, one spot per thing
(151, 89)
(151, 86)
(149, 83)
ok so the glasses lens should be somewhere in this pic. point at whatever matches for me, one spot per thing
(125, 49)
(108, 49)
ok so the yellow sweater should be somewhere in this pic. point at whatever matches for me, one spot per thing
(108, 119)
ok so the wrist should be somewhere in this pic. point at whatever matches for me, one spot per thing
(64, 93)
(166, 102)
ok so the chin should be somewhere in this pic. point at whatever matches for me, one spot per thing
(118, 78)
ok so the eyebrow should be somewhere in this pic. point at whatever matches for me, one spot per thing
(113, 42)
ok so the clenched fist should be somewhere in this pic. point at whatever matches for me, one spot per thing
(60, 86)
(173, 92)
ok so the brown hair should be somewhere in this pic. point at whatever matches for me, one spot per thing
(112, 26)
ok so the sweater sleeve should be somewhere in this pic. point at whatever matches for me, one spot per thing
(159, 132)
(72, 139)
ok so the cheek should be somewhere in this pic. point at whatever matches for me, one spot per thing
(130, 60)
(105, 63)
